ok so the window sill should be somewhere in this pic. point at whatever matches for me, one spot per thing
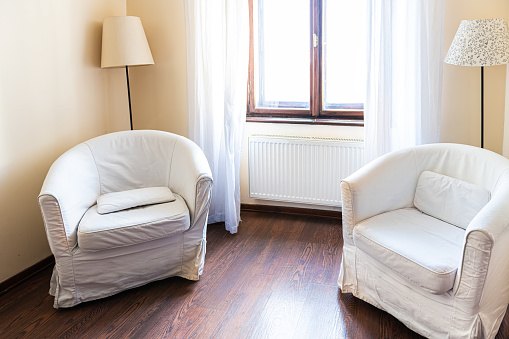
(308, 121)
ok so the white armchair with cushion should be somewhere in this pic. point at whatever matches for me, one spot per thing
(125, 209)
(426, 238)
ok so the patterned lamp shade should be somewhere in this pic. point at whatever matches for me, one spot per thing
(480, 43)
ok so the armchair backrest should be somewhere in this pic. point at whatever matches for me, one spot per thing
(401, 171)
(471, 164)
(133, 159)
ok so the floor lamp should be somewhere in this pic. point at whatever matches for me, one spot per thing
(124, 44)
(480, 43)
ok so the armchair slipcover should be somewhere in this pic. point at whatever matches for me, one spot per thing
(98, 255)
(440, 278)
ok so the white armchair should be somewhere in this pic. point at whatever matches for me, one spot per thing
(426, 247)
(98, 255)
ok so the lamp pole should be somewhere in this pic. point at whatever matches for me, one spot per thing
(482, 106)
(129, 96)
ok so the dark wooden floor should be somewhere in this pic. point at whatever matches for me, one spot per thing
(276, 278)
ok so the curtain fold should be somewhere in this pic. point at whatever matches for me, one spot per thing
(217, 38)
(505, 149)
(405, 58)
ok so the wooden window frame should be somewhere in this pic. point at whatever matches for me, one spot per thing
(316, 114)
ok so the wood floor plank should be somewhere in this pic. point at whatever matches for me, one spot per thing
(331, 322)
(503, 332)
(163, 320)
(275, 278)
(287, 301)
(241, 312)
(281, 313)
(200, 325)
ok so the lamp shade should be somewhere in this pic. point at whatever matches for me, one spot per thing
(480, 43)
(124, 43)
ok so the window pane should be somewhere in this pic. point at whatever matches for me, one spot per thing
(344, 55)
(282, 51)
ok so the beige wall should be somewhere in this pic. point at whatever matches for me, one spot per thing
(460, 121)
(53, 95)
(159, 91)
(461, 102)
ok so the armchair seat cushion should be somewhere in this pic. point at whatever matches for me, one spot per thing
(424, 250)
(132, 226)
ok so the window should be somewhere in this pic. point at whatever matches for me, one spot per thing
(307, 61)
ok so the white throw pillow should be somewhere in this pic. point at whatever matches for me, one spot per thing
(448, 199)
(118, 201)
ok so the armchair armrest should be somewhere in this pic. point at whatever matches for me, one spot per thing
(190, 176)
(486, 247)
(385, 184)
(70, 188)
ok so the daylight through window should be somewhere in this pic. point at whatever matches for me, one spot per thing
(307, 60)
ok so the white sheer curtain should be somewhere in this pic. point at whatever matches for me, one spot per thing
(217, 37)
(404, 74)
(505, 149)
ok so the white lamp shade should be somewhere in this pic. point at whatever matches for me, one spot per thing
(124, 43)
(480, 43)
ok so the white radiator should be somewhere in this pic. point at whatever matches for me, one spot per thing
(301, 169)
